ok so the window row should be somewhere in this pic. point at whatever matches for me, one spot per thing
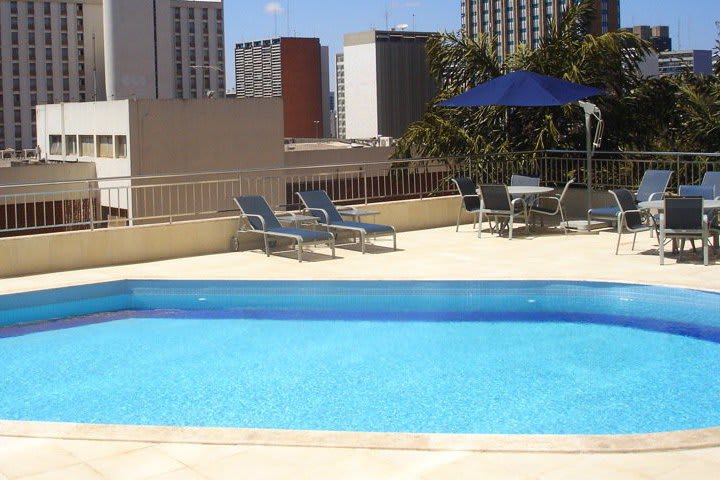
(46, 8)
(106, 146)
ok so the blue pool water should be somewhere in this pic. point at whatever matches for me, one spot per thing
(451, 357)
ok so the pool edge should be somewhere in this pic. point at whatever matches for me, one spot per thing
(633, 443)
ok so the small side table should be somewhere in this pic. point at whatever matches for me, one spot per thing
(357, 213)
(297, 219)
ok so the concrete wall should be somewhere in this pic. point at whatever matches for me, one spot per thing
(184, 136)
(124, 245)
(46, 173)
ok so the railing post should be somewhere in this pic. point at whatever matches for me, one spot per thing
(677, 169)
(365, 192)
(91, 207)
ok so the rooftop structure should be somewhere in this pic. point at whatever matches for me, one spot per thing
(676, 62)
(659, 35)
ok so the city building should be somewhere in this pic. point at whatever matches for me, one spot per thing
(385, 84)
(516, 22)
(57, 51)
(340, 95)
(125, 138)
(295, 69)
(50, 52)
(659, 35)
(676, 62)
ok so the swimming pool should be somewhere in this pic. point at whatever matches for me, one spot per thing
(433, 357)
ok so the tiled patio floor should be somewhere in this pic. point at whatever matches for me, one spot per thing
(430, 254)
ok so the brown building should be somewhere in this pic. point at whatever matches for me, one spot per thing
(515, 22)
(291, 68)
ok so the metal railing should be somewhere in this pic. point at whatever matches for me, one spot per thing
(108, 202)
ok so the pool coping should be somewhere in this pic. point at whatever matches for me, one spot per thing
(517, 443)
(632, 443)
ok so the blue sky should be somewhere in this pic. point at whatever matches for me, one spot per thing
(692, 22)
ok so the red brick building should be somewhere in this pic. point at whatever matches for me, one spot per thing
(291, 68)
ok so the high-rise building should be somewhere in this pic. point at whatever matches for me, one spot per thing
(516, 22)
(340, 87)
(50, 52)
(291, 68)
(386, 82)
(164, 48)
(658, 35)
(54, 51)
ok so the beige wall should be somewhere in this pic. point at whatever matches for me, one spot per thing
(45, 173)
(185, 136)
(115, 246)
(308, 158)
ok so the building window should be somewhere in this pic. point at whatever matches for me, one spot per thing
(105, 146)
(55, 144)
(87, 146)
(71, 145)
(120, 146)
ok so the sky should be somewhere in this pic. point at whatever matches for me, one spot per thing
(691, 22)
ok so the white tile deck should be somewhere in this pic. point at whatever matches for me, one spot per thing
(430, 254)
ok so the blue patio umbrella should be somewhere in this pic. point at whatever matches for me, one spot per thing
(530, 89)
(523, 89)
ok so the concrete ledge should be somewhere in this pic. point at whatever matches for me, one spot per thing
(55, 252)
(652, 442)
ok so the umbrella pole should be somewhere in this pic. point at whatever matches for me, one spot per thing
(588, 161)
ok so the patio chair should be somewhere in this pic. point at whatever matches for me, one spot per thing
(321, 207)
(526, 181)
(706, 192)
(497, 204)
(683, 218)
(260, 219)
(712, 179)
(470, 201)
(652, 187)
(629, 219)
(554, 208)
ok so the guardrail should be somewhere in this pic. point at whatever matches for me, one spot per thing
(109, 202)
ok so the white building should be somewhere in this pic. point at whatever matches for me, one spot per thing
(387, 83)
(85, 50)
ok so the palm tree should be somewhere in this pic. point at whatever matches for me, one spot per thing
(609, 61)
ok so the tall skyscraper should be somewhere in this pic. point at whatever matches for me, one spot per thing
(54, 51)
(291, 68)
(515, 22)
(340, 86)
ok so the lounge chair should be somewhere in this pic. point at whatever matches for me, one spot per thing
(706, 192)
(498, 205)
(683, 218)
(321, 207)
(470, 201)
(629, 219)
(652, 187)
(260, 219)
(553, 208)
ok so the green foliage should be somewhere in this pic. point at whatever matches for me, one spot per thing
(670, 113)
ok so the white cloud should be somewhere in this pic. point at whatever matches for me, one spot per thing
(274, 8)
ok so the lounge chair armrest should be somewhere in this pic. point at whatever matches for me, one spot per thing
(656, 196)
(322, 211)
(262, 219)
